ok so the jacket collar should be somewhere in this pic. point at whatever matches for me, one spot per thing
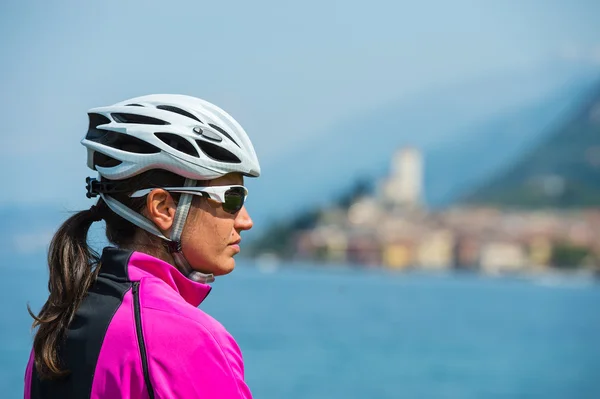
(135, 266)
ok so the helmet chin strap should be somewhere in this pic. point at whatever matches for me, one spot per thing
(183, 209)
(174, 243)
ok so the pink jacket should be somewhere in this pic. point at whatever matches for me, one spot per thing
(139, 334)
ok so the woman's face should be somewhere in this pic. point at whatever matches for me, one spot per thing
(211, 236)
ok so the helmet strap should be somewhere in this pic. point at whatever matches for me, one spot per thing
(181, 214)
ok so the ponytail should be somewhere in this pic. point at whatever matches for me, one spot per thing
(72, 269)
(74, 266)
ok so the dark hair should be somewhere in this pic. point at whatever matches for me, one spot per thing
(74, 265)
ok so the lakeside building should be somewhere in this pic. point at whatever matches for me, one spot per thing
(394, 229)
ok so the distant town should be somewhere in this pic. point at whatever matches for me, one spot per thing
(393, 228)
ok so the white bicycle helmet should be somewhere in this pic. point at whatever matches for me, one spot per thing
(181, 134)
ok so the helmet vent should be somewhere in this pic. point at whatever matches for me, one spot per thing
(134, 105)
(178, 111)
(177, 142)
(105, 161)
(122, 142)
(122, 117)
(223, 132)
(96, 120)
(217, 153)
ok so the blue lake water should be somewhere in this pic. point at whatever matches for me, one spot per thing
(310, 332)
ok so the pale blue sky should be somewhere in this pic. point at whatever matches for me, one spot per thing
(286, 71)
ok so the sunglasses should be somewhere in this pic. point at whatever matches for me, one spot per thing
(231, 198)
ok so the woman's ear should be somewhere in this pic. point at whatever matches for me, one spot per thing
(160, 208)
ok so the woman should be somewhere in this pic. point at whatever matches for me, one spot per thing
(126, 324)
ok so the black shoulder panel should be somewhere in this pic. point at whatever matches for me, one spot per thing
(85, 335)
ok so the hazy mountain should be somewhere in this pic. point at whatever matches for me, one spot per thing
(562, 171)
(477, 153)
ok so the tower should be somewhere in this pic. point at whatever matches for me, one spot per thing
(404, 186)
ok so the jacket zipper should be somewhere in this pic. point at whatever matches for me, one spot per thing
(140, 336)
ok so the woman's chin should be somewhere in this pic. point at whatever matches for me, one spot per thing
(226, 268)
(222, 269)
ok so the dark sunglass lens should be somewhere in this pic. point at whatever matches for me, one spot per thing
(234, 199)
